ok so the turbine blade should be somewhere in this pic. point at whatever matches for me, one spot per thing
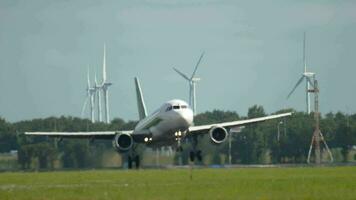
(84, 106)
(180, 73)
(95, 80)
(304, 57)
(296, 85)
(104, 65)
(196, 66)
(88, 78)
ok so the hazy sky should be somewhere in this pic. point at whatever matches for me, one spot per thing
(253, 53)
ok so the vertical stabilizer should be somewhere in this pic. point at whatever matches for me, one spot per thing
(140, 101)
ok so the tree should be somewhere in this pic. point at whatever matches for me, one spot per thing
(25, 156)
(250, 143)
(7, 137)
(256, 111)
(344, 138)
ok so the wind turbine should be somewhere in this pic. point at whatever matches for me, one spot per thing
(90, 97)
(192, 82)
(105, 87)
(308, 76)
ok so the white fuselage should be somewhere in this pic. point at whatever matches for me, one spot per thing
(172, 117)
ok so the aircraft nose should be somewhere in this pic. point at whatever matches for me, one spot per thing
(187, 116)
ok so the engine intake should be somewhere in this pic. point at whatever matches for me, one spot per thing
(218, 134)
(122, 142)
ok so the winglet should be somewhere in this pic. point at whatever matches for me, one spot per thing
(140, 101)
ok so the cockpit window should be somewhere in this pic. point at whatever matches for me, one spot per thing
(176, 107)
(169, 108)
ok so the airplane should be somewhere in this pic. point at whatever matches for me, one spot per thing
(167, 126)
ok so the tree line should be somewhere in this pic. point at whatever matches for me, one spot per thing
(284, 140)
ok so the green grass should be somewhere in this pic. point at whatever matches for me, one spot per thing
(240, 183)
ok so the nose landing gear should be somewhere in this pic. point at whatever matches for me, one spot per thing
(179, 136)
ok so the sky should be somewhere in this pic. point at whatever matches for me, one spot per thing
(253, 54)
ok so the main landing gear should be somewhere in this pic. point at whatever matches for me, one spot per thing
(133, 159)
(195, 153)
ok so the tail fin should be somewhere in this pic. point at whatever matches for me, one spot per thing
(140, 102)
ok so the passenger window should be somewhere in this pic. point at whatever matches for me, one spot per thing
(183, 106)
(175, 107)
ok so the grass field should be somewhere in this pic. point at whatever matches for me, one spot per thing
(239, 183)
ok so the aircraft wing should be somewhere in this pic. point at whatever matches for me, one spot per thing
(194, 129)
(98, 134)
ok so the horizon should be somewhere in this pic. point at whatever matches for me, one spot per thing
(204, 112)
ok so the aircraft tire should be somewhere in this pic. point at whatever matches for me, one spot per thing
(199, 156)
(192, 156)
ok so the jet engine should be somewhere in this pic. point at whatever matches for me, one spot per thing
(218, 134)
(122, 142)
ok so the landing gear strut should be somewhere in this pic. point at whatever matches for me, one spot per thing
(195, 153)
(178, 135)
(133, 158)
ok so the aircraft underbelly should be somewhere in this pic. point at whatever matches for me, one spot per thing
(166, 129)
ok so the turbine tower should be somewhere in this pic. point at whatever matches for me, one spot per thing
(98, 98)
(105, 87)
(309, 77)
(192, 82)
(317, 135)
(90, 97)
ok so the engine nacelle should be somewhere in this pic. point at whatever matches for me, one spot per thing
(122, 142)
(218, 134)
